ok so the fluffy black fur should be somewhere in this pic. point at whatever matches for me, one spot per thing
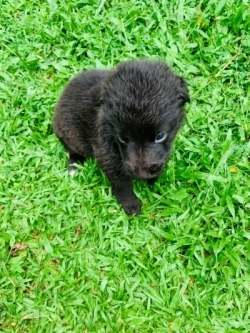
(127, 118)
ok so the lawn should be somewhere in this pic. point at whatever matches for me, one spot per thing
(71, 260)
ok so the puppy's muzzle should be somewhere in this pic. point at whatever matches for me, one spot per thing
(145, 172)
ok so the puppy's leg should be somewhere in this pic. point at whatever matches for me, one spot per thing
(74, 159)
(123, 190)
(78, 157)
(121, 183)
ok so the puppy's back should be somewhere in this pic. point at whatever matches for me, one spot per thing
(76, 111)
(80, 92)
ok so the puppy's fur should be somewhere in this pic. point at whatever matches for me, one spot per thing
(127, 118)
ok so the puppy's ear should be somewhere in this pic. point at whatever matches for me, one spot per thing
(183, 96)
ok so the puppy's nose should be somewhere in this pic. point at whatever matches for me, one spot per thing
(154, 168)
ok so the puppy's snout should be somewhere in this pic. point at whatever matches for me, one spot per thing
(142, 171)
(154, 168)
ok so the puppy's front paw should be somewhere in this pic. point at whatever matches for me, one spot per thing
(132, 206)
(123, 191)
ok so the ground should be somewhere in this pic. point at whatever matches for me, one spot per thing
(70, 259)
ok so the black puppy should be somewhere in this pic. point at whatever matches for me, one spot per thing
(127, 118)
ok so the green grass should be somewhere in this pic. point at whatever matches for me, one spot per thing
(183, 265)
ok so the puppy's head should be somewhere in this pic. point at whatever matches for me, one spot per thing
(143, 104)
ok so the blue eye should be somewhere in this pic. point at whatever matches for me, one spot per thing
(160, 137)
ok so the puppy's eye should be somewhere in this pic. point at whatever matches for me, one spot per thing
(160, 137)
